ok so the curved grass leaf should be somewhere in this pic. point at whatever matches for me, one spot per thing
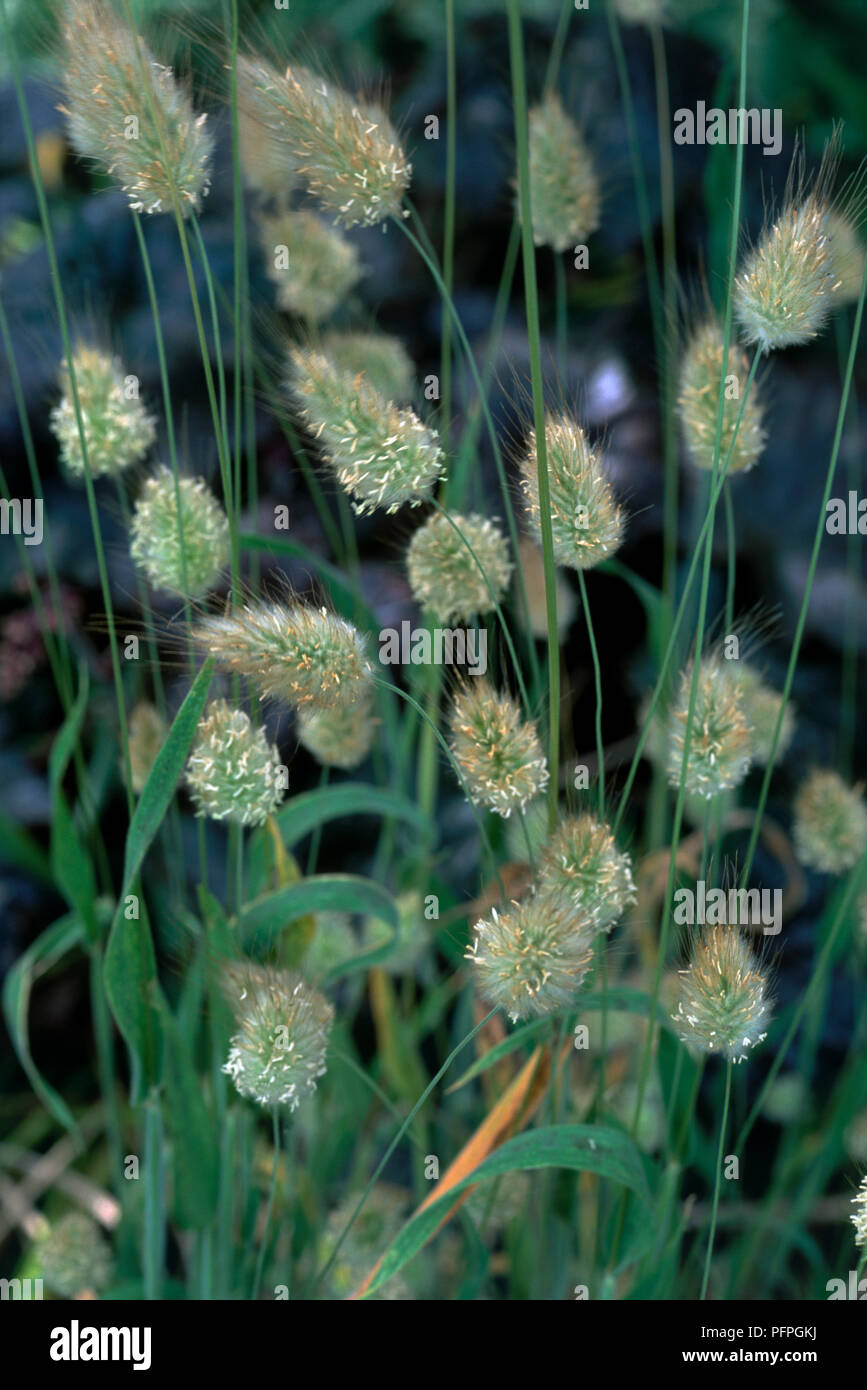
(261, 921)
(130, 970)
(304, 813)
(582, 1148)
(70, 863)
(54, 943)
(195, 1142)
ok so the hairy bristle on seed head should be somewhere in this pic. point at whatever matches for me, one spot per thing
(702, 377)
(581, 860)
(724, 1005)
(498, 752)
(458, 565)
(279, 1048)
(233, 772)
(586, 522)
(179, 534)
(531, 958)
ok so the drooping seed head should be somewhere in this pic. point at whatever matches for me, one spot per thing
(118, 431)
(312, 265)
(531, 958)
(180, 549)
(783, 291)
(720, 749)
(724, 1005)
(761, 705)
(564, 185)
(380, 453)
(701, 377)
(445, 566)
(341, 736)
(129, 113)
(300, 655)
(586, 522)
(147, 734)
(830, 830)
(347, 151)
(581, 861)
(279, 1049)
(233, 772)
(859, 1215)
(74, 1257)
(498, 753)
(380, 358)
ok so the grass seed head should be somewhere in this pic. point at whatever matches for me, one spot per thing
(346, 151)
(724, 1005)
(581, 860)
(341, 736)
(295, 653)
(859, 1215)
(183, 556)
(498, 753)
(761, 705)
(847, 256)
(131, 115)
(118, 431)
(532, 957)
(233, 772)
(279, 1050)
(830, 830)
(74, 1256)
(323, 267)
(564, 186)
(586, 522)
(380, 358)
(381, 454)
(445, 566)
(701, 373)
(720, 748)
(147, 734)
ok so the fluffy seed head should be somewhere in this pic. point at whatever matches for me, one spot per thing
(586, 522)
(761, 706)
(130, 114)
(445, 566)
(564, 187)
(847, 256)
(300, 655)
(783, 292)
(581, 861)
(341, 736)
(312, 265)
(181, 556)
(233, 772)
(830, 830)
(283, 1024)
(266, 161)
(701, 373)
(346, 151)
(381, 453)
(370, 1234)
(118, 431)
(531, 958)
(724, 1005)
(75, 1257)
(720, 748)
(859, 1215)
(498, 753)
(381, 358)
(147, 734)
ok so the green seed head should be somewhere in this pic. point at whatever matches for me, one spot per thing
(130, 114)
(183, 556)
(446, 566)
(233, 772)
(761, 705)
(782, 295)
(147, 734)
(75, 1257)
(701, 374)
(847, 256)
(379, 357)
(830, 831)
(581, 861)
(859, 1215)
(381, 454)
(720, 748)
(564, 187)
(118, 431)
(341, 736)
(279, 1049)
(266, 162)
(586, 522)
(724, 1005)
(498, 753)
(532, 958)
(300, 655)
(346, 151)
(312, 265)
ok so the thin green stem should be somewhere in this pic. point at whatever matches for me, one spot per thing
(597, 678)
(266, 1230)
(718, 1180)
